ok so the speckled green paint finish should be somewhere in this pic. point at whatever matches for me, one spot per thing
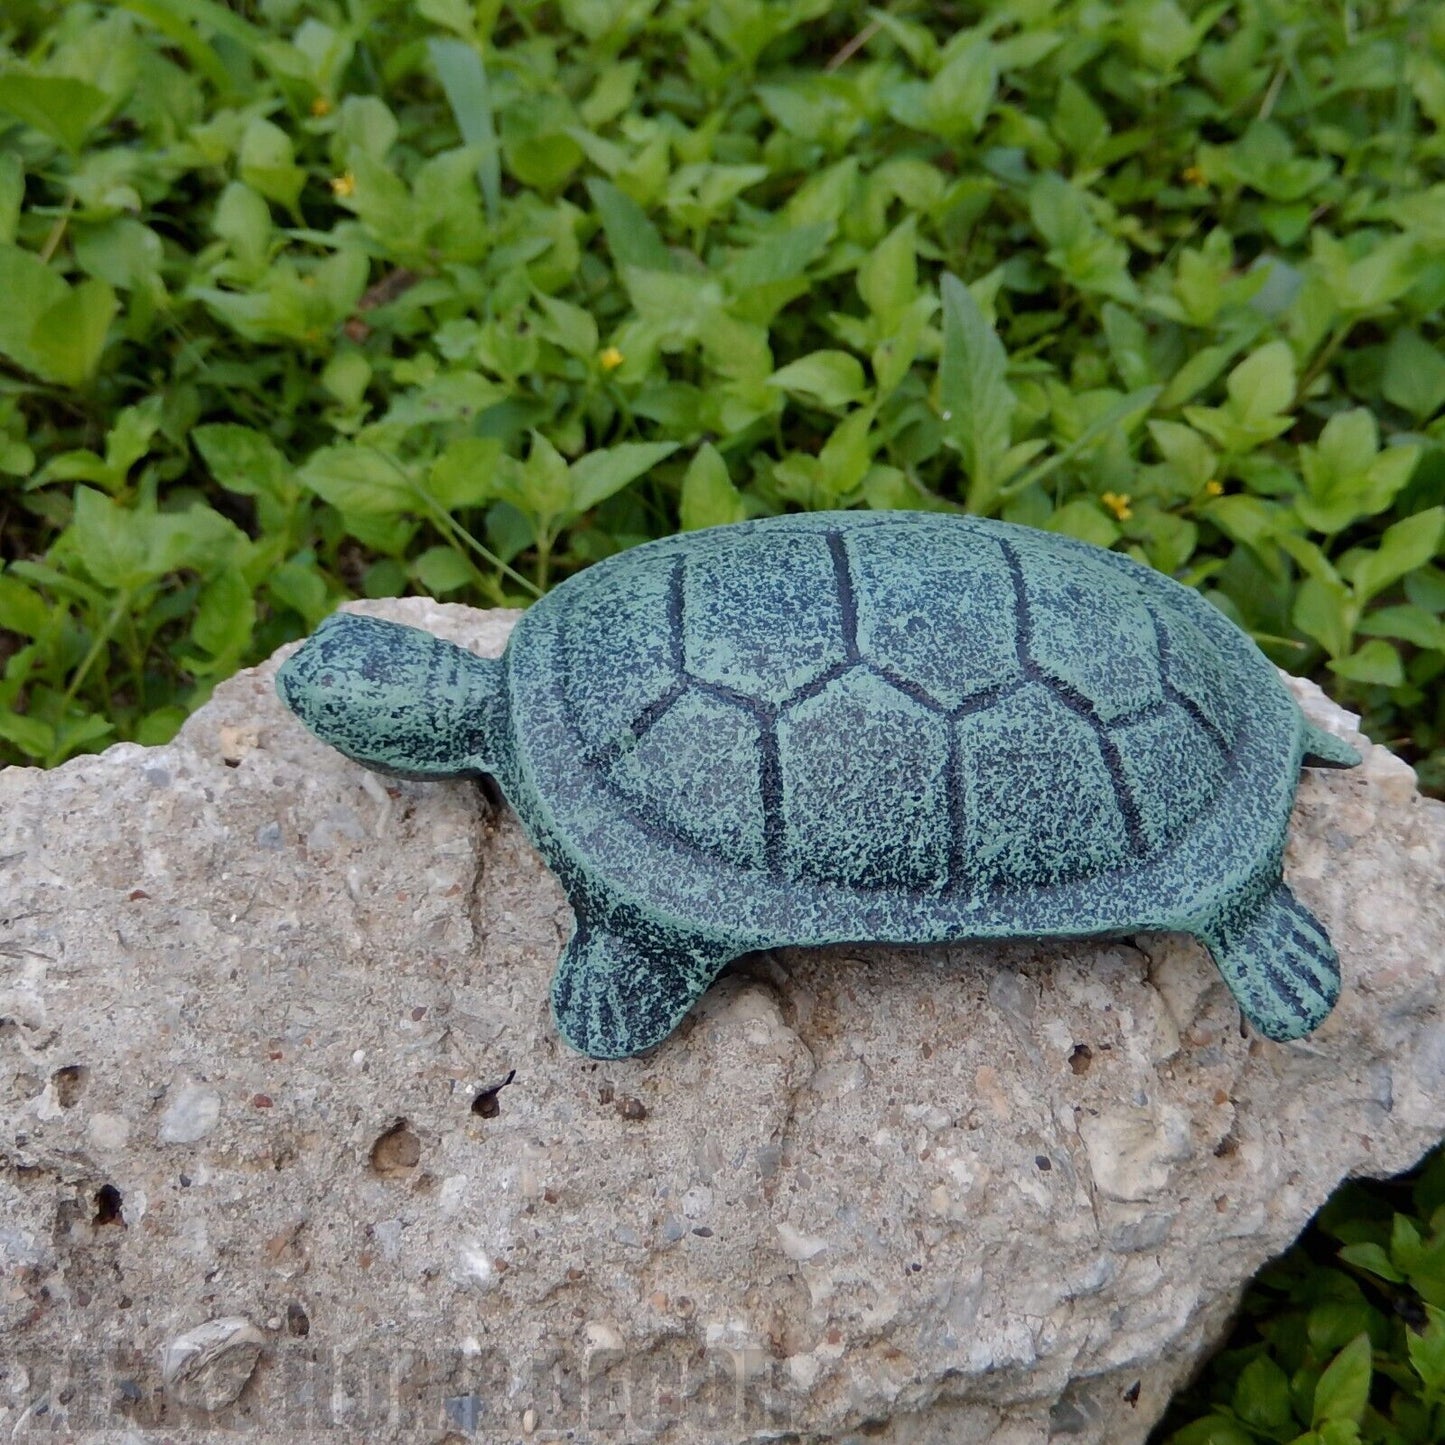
(860, 726)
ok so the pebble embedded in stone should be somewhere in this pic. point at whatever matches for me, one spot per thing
(207, 1367)
(192, 1112)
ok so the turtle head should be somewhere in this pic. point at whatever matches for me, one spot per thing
(397, 699)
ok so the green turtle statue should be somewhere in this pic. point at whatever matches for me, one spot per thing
(853, 726)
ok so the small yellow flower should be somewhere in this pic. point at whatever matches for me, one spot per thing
(1118, 504)
(610, 359)
(343, 186)
(1213, 488)
(320, 106)
(1192, 176)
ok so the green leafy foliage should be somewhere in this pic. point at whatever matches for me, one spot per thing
(366, 297)
(1342, 1340)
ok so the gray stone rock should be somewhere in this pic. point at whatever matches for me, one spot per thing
(257, 1008)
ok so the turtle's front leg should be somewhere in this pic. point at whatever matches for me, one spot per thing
(618, 992)
(1279, 964)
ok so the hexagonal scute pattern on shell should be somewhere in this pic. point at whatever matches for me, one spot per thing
(1090, 632)
(1040, 801)
(697, 771)
(1198, 678)
(958, 641)
(632, 610)
(763, 617)
(1173, 769)
(865, 786)
(919, 707)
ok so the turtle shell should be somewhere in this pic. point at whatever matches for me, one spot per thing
(896, 726)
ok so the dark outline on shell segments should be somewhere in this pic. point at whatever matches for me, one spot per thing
(770, 779)
(847, 598)
(1211, 728)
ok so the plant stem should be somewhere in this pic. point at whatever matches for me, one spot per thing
(1317, 367)
(97, 644)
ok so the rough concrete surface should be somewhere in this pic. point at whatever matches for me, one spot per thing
(260, 1171)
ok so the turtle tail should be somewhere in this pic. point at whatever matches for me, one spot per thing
(1279, 964)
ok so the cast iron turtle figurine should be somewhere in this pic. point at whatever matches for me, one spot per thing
(895, 727)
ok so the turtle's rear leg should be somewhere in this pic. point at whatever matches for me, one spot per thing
(1325, 750)
(617, 993)
(1279, 964)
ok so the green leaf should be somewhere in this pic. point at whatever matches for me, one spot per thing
(441, 570)
(976, 402)
(1078, 122)
(888, 277)
(546, 486)
(21, 609)
(244, 461)
(631, 237)
(66, 110)
(1344, 1388)
(126, 548)
(1219, 1430)
(570, 327)
(16, 458)
(160, 725)
(1088, 257)
(1128, 346)
(464, 475)
(1373, 1258)
(68, 337)
(1196, 374)
(709, 498)
(30, 289)
(1377, 662)
(1414, 376)
(464, 79)
(1261, 390)
(267, 163)
(12, 194)
(1346, 475)
(346, 377)
(225, 615)
(1408, 544)
(599, 474)
(123, 253)
(243, 220)
(108, 541)
(298, 585)
(958, 98)
(1262, 1396)
(1160, 35)
(1116, 419)
(451, 15)
(1262, 385)
(359, 480)
(845, 458)
(832, 378)
(681, 307)
(1372, 282)
(1189, 456)
(1086, 521)
(34, 738)
(1427, 1351)
(365, 125)
(129, 438)
(1264, 159)
(1325, 611)
(1409, 623)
